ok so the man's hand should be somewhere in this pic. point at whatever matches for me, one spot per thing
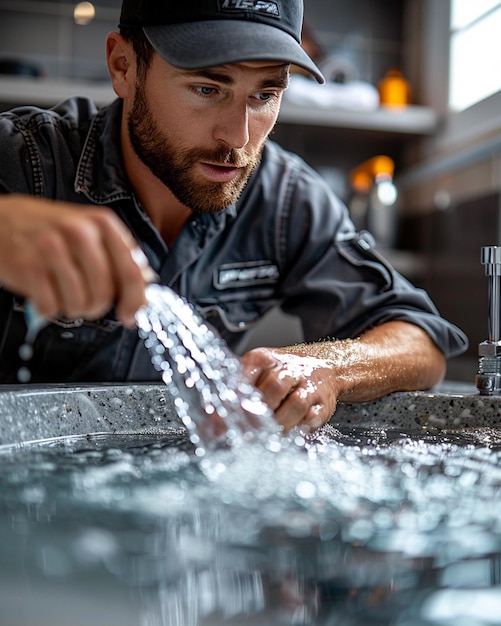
(303, 383)
(301, 390)
(69, 260)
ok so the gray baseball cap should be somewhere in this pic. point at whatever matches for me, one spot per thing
(196, 34)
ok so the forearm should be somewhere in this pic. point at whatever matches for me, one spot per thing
(396, 356)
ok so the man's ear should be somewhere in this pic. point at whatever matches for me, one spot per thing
(121, 64)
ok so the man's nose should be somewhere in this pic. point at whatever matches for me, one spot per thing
(233, 126)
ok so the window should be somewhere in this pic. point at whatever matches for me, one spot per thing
(475, 52)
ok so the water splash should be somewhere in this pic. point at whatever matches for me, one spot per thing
(212, 397)
(216, 403)
(34, 324)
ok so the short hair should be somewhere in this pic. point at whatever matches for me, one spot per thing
(142, 48)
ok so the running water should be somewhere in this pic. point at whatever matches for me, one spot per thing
(34, 324)
(212, 397)
(216, 403)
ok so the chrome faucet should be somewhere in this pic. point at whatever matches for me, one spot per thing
(488, 378)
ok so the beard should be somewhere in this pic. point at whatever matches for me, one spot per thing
(175, 166)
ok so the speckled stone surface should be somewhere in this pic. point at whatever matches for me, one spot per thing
(449, 406)
(29, 413)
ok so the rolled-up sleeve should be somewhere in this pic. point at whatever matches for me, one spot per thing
(339, 285)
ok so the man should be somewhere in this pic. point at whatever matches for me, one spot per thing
(180, 166)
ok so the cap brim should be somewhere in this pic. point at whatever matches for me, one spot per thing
(197, 45)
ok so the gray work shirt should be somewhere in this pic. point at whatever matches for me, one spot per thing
(287, 242)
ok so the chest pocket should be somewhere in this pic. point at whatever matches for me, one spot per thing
(240, 295)
(237, 311)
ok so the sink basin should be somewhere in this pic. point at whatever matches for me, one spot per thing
(389, 515)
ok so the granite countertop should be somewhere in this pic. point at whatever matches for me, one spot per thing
(30, 413)
(450, 405)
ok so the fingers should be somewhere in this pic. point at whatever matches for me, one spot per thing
(292, 387)
(300, 409)
(275, 383)
(75, 265)
(129, 275)
(69, 260)
(91, 269)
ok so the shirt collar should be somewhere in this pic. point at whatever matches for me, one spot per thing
(100, 172)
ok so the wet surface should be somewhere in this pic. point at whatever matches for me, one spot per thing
(358, 527)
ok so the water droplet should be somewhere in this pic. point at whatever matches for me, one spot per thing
(23, 375)
(305, 489)
(26, 351)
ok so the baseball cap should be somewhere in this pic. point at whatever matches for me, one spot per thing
(196, 34)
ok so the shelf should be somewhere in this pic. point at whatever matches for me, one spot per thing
(411, 120)
(414, 120)
(45, 92)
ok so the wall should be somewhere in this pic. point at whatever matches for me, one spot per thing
(365, 35)
(44, 33)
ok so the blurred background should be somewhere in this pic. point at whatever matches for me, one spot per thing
(407, 129)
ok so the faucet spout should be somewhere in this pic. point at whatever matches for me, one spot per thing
(488, 379)
(491, 258)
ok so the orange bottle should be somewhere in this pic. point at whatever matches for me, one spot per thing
(394, 90)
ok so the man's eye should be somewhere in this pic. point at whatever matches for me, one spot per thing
(205, 91)
(266, 96)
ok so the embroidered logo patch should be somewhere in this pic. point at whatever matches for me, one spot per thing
(257, 6)
(245, 274)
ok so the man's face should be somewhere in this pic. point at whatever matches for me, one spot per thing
(202, 133)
